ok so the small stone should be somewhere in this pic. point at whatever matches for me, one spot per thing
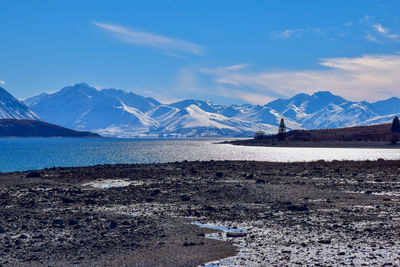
(250, 176)
(72, 222)
(66, 200)
(113, 225)
(23, 236)
(33, 174)
(185, 198)
(297, 208)
(235, 234)
(155, 192)
(58, 222)
(210, 208)
(219, 174)
(189, 244)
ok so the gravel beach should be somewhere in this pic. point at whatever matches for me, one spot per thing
(231, 213)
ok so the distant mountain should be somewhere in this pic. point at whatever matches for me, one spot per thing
(12, 108)
(387, 107)
(112, 112)
(35, 128)
(108, 111)
(324, 110)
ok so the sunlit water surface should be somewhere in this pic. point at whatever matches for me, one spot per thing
(18, 154)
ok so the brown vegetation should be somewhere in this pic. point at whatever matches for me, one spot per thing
(378, 133)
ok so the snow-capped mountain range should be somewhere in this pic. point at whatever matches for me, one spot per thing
(112, 112)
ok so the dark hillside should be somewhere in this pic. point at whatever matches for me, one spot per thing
(362, 136)
(34, 128)
(379, 132)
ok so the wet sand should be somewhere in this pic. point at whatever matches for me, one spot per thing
(326, 213)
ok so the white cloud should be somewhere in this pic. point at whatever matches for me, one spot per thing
(379, 28)
(238, 66)
(286, 34)
(152, 40)
(2, 82)
(369, 77)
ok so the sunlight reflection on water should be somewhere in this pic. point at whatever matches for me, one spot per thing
(36, 153)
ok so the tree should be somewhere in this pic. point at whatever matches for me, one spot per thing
(282, 131)
(259, 135)
(395, 130)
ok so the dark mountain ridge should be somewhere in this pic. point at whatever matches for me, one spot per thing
(35, 128)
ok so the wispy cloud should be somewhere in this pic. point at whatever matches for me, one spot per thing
(2, 82)
(372, 38)
(297, 33)
(369, 77)
(385, 32)
(376, 32)
(150, 39)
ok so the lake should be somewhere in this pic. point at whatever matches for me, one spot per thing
(18, 154)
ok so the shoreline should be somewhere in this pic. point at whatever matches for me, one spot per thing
(141, 214)
(310, 144)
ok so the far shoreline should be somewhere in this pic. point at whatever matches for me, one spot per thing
(311, 144)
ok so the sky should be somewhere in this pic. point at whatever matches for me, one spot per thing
(226, 51)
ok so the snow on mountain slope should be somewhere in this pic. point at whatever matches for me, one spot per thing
(12, 108)
(301, 106)
(264, 115)
(83, 107)
(379, 120)
(344, 115)
(193, 121)
(163, 113)
(113, 112)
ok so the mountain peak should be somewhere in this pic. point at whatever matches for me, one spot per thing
(82, 84)
(12, 108)
(323, 94)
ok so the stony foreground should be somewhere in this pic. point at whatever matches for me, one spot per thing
(319, 213)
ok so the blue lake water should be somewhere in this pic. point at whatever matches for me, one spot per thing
(17, 154)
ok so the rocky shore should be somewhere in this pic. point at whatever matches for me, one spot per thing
(246, 213)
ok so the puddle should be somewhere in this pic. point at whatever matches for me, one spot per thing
(223, 236)
(219, 236)
(213, 264)
(111, 183)
(222, 228)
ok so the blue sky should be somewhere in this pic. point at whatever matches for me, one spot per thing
(224, 51)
